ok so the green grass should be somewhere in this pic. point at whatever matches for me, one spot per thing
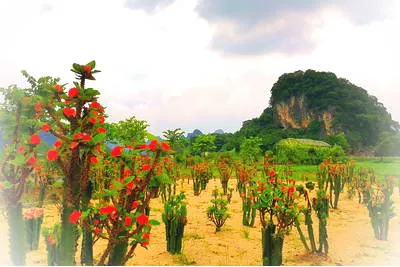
(382, 166)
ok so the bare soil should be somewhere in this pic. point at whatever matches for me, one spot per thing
(350, 237)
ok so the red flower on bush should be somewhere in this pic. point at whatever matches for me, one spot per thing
(45, 128)
(128, 221)
(35, 139)
(165, 146)
(69, 112)
(74, 217)
(101, 119)
(291, 190)
(146, 236)
(87, 68)
(73, 145)
(143, 146)
(92, 120)
(101, 130)
(38, 107)
(110, 209)
(135, 204)
(58, 143)
(142, 219)
(21, 149)
(86, 137)
(95, 104)
(117, 151)
(97, 230)
(52, 155)
(94, 160)
(58, 88)
(73, 92)
(153, 145)
(271, 173)
(146, 167)
(130, 185)
(31, 160)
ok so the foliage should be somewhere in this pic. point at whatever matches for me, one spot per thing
(218, 211)
(128, 132)
(175, 219)
(203, 143)
(250, 149)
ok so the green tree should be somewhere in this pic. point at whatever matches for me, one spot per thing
(250, 149)
(128, 132)
(203, 143)
(174, 137)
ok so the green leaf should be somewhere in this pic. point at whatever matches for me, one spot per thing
(19, 160)
(91, 92)
(92, 64)
(98, 138)
(154, 222)
(77, 67)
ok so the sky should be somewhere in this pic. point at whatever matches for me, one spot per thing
(206, 64)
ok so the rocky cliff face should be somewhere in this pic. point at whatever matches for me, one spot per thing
(295, 114)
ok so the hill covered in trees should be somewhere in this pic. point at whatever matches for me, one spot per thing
(320, 106)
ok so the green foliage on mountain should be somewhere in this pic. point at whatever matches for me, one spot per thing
(359, 121)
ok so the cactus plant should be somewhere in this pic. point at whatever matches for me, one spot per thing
(33, 222)
(174, 218)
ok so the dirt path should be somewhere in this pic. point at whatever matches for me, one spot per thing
(350, 238)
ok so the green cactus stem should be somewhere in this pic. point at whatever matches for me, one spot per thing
(272, 246)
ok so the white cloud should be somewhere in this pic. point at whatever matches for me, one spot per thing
(161, 66)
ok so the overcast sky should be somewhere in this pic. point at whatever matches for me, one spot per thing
(204, 64)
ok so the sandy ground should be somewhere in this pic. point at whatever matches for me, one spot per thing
(350, 238)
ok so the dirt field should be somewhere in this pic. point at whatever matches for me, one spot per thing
(350, 238)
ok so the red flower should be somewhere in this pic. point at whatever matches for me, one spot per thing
(96, 222)
(86, 137)
(142, 219)
(110, 209)
(153, 145)
(143, 146)
(146, 167)
(35, 139)
(101, 130)
(52, 155)
(92, 120)
(130, 185)
(31, 160)
(283, 188)
(77, 136)
(69, 112)
(97, 230)
(58, 143)
(58, 88)
(51, 240)
(21, 149)
(87, 68)
(94, 160)
(38, 107)
(45, 128)
(74, 217)
(272, 180)
(165, 146)
(73, 92)
(73, 145)
(95, 104)
(291, 190)
(127, 173)
(135, 204)
(101, 119)
(116, 151)
(271, 173)
(144, 244)
(128, 221)
(146, 236)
